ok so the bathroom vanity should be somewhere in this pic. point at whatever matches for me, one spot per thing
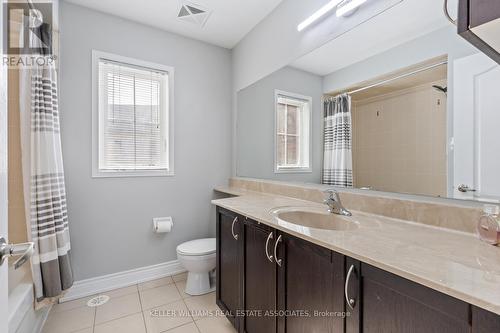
(406, 129)
(267, 268)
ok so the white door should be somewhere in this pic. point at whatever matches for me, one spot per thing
(4, 293)
(476, 128)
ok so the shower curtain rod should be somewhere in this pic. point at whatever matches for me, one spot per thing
(398, 77)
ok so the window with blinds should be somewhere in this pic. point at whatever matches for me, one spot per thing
(133, 118)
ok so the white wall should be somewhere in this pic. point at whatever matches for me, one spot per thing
(110, 218)
(275, 41)
(255, 131)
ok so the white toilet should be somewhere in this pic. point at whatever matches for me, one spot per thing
(198, 258)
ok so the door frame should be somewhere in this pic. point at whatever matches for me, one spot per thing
(4, 288)
(465, 147)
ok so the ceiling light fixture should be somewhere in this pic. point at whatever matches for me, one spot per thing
(349, 7)
(318, 14)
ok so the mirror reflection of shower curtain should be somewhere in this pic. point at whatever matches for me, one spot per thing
(337, 156)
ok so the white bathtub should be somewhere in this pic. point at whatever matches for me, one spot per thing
(22, 316)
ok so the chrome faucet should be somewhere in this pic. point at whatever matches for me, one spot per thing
(334, 204)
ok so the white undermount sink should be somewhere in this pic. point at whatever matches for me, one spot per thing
(316, 218)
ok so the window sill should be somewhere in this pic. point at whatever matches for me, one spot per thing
(293, 170)
(127, 174)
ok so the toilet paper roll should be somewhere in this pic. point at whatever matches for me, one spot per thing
(162, 225)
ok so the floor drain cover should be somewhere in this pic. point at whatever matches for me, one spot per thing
(98, 300)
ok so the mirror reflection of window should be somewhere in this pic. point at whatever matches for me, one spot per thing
(292, 133)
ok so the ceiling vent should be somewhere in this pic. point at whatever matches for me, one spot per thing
(193, 13)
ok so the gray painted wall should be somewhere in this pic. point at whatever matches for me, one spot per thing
(110, 218)
(255, 125)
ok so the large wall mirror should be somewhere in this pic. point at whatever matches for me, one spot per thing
(420, 116)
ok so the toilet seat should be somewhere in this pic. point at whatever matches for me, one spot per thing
(198, 247)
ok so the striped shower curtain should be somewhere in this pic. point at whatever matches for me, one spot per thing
(44, 188)
(337, 156)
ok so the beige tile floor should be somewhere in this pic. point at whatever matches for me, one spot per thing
(150, 307)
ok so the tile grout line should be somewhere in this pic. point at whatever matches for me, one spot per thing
(95, 315)
(173, 328)
(189, 311)
(120, 317)
(181, 292)
(142, 310)
(138, 292)
(160, 305)
(197, 327)
(191, 315)
(158, 286)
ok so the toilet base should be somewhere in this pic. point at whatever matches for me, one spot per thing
(198, 284)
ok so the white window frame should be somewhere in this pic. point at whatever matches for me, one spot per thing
(308, 100)
(98, 173)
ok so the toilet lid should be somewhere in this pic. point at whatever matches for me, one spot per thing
(197, 247)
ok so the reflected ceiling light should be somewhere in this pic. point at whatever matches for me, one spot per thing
(349, 7)
(318, 14)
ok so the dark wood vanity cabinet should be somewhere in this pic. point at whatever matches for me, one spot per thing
(289, 285)
(259, 279)
(268, 273)
(271, 282)
(384, 302)
(229, 263)
(484, 321)
(310, 287)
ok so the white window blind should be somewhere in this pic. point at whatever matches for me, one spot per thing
(133, 117)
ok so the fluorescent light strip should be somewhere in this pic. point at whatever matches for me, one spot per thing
(318, 14)
(341, 11)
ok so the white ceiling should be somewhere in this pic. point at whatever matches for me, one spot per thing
(402, 23)
(228, 23)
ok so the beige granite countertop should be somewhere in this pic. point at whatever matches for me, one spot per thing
(455, 263)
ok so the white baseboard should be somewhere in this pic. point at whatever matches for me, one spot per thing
(109, 282)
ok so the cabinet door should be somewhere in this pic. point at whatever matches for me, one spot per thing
(311, 279)
(388, 303)
(352, 292)
(229, 269)
(484, 321)
(259, 283)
